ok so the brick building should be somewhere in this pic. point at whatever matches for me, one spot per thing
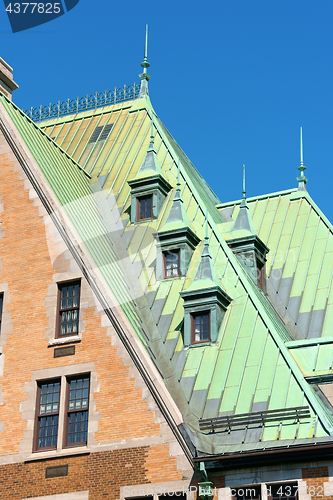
(153, 338)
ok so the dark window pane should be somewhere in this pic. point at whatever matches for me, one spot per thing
(69, 323)
(201, 327)
(78, 425)
(145, 206)
(49, 398)
(282, 491)
(48, 431)
(171, 264)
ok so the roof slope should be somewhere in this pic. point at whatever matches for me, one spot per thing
(300, 262)
(249, 368)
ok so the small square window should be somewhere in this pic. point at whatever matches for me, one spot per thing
(145, 206)
(69, 307)
(200, 327)
(171, 264)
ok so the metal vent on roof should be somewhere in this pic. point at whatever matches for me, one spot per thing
(105, 132)
(257, 417)
(95, 135)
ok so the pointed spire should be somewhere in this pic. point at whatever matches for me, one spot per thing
(150, 165)
(177, 217)
(206, 272)
(144, 76)
(244, 220)
(302, 180)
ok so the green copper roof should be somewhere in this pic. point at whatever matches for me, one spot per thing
(250, 367)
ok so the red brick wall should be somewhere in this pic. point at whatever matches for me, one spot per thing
(28, 270)
(315, 478)
(101, 473)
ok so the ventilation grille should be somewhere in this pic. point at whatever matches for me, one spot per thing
(106, 132)
(95, 135)
(98, 135)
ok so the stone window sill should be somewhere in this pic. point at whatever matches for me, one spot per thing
(67, 452)
(66, 340)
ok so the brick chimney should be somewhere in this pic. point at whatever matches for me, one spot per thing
(7, 84)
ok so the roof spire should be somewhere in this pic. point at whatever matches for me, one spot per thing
(145, 64)
(243, 202)
(244, 220)
(302, 180)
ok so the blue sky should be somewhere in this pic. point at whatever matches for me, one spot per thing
(232, 80)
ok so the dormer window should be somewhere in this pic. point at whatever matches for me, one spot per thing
(171, 264)
(145, 208)
(261, 275)
(200, 327)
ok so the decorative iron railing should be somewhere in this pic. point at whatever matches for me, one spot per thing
(83, 103)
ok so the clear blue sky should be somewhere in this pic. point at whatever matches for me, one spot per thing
(232, 80)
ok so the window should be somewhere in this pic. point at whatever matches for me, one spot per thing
(145, 205)
(277, 491)
(260, 275)
(48, 414)
(282, 491)
(171, 264)
(77, 412)
(69, 302)
(200, 327)
(74, 413)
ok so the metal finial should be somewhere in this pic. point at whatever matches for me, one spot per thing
(206, 237)
(145, 64)
(146, 44)
(301, 167)
(302, 180)
(144, 77)
(244, 192)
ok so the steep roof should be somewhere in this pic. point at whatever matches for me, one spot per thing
(249, 368)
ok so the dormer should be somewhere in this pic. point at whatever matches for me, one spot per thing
(249, 249)
(205, 303)
(175, 241)
(149, 187)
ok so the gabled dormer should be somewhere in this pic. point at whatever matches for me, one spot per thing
(205, 303)
(149, 187)
(249, 249)
(175, 241)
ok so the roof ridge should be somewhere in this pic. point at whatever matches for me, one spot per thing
(2, 95)
(254, 198)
